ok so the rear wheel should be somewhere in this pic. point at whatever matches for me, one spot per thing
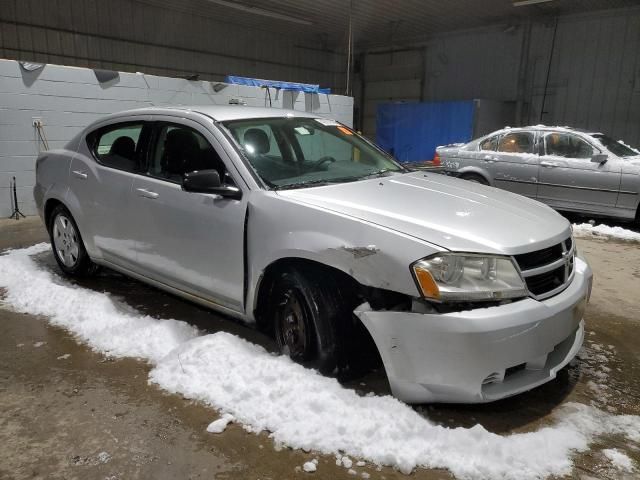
(311, 318)
(474, 177)
(67, 245)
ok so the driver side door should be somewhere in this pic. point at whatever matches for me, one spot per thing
(570, 180)
(190, 241)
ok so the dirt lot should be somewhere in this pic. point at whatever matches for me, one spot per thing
(67, 412)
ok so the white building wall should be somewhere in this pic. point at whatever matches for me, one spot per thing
(66, 99)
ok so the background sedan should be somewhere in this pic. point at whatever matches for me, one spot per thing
(568, 169)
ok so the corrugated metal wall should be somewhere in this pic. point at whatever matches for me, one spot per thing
(594, 80)
(67, 99)
(125, 35)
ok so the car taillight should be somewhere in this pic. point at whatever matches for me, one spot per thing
(436, 160)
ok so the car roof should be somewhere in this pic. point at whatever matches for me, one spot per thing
(221, 113)
(540, 128)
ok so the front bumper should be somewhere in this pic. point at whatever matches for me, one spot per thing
(483, 354)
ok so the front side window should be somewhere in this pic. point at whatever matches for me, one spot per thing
(490, 144)
(517, 142)
(297, 152)
(616, 147)
(118, 146)
(179, 150)
(567, 145)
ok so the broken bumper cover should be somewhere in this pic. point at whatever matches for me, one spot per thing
(483, 354)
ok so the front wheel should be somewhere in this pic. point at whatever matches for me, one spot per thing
(67, 245)
(310, 318)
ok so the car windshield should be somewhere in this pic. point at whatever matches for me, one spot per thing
(298, 152)
(616, 147)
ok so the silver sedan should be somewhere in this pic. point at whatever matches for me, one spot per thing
(568, 169)
(300, 226)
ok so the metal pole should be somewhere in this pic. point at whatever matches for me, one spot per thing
(546, 83)
(349, 48)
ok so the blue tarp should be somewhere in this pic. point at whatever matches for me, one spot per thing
(412, 131)
(257, 82)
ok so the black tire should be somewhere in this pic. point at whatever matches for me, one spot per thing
(474, 177)
(311, 318)
(67, 245)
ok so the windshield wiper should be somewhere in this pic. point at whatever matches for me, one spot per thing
(378, 173)
(308, 183)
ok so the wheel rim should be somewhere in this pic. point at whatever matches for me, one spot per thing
(292, 332)
(65, 241)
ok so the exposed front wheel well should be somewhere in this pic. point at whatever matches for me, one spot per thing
(343, 344)
(378, 298)
(311, 268)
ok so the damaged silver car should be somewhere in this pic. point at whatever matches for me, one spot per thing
(299, 225)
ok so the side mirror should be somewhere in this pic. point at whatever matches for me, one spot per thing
(599, 158)
(208, 181)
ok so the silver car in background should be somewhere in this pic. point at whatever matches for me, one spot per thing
(300, 226)
(568, 169)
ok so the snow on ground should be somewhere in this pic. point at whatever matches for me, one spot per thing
(297, 406)
(588, 230)
(107, 326)
(619, 460)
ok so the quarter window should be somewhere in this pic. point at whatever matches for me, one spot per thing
(490, 143)
(517, 142)
(118, 146)
(179, 150)
(566, 145)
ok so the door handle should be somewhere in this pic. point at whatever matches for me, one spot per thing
(80, 174)
(146, 193)
(549, 164)
(489, 159)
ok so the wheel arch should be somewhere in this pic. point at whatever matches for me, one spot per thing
(49, 206)
(466, 171)
(379, 298)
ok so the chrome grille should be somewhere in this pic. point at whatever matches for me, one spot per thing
(547, 271)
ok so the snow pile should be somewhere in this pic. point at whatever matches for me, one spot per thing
(588, 230)
(299, 407)
(305, 410)
(619, 460)
(109, 327)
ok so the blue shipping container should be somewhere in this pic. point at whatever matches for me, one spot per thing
(412, 131)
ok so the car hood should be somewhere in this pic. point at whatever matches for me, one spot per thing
(451, 213)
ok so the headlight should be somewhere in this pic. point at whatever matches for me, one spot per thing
(464, 277)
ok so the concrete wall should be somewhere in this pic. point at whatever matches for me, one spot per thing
(594, 80)
(66, 99)
(132, 36)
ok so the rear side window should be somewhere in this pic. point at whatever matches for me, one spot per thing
(566, 145)
(118, 146)
(517, 142)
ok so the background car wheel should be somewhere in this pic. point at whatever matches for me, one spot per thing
(474, 177)
(310, 318)
(67, 245)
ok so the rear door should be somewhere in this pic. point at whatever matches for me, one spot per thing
(569, 179)
(516, 163)
(101, 177)
(190, 241)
